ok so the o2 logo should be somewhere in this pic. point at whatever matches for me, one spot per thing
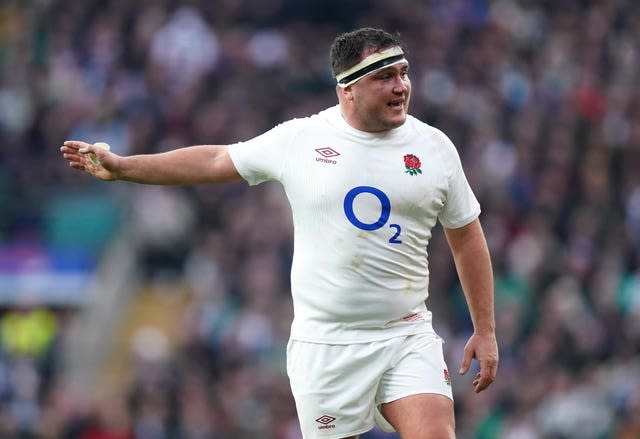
(385, 212)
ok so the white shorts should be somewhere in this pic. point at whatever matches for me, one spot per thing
(339, 388)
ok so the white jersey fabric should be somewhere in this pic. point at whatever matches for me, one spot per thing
(362, 220)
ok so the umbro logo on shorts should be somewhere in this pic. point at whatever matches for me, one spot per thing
(325, 421)
(327, 153)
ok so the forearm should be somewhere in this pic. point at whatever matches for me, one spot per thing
(189, 165)
(476, 278)
(473, 264)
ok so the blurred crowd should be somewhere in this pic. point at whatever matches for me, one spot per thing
(541, 98)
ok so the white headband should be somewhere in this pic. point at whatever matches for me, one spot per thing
(372, 63)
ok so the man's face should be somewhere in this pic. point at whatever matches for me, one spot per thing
(380, 100)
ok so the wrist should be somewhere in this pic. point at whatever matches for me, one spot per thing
(485, 330)
(119, 170)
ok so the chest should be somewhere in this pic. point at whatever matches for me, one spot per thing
(405, 179)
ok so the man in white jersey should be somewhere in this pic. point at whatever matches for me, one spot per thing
(366, 183)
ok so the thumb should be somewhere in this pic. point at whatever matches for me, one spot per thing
(93, 151)
(466, 362)
(85, 148)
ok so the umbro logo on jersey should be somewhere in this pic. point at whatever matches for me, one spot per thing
(327, 154)
(325, 422)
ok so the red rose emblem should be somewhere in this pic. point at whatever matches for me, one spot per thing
(412, 164)
(447, 377)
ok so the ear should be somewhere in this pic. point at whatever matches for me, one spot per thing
(346, 93)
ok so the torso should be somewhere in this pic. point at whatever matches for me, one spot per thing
(362, 223)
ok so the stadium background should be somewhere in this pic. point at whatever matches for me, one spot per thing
(154, 312)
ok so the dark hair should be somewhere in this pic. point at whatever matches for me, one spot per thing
(347, 49)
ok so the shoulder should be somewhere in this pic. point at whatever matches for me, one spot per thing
(326, 117)
(320, 119)
(426, 130)
(434, 136)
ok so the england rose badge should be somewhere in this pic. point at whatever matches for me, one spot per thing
(412, 164)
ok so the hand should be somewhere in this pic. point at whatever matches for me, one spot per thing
(484, 348)
(77, 153)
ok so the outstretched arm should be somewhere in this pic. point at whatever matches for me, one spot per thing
(189, 165)
(473, 263)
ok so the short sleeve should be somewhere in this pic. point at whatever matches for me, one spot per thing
(461, 206)
(263, 157)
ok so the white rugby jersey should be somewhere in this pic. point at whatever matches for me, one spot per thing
(363, 208)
